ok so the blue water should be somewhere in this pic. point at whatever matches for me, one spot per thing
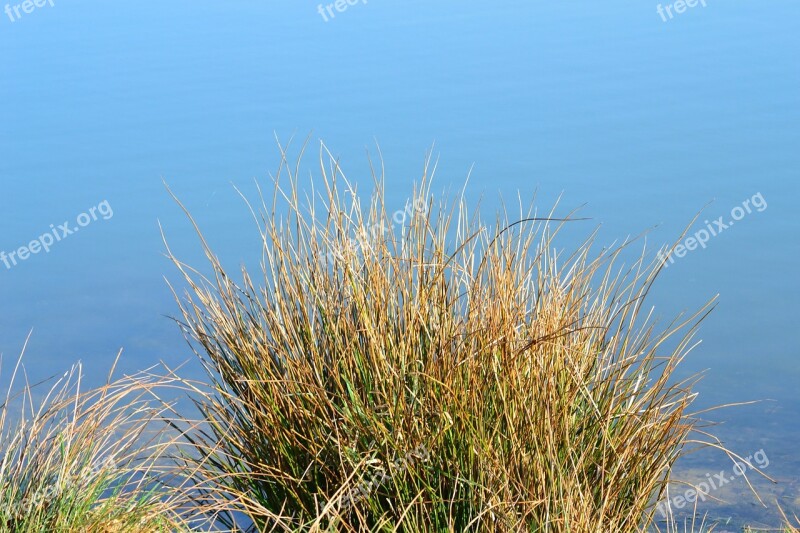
(643, 120)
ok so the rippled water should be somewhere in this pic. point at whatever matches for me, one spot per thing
(642, 119)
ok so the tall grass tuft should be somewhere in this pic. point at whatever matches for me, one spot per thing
(443, 374)
(85, 461)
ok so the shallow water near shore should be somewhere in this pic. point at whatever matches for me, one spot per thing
(641, 121)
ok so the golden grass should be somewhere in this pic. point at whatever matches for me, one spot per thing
(534, 380)
(84, 461)
(447, 375)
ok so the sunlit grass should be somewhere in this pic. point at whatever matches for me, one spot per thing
(435, 374)
(83, 461)
(533, 378)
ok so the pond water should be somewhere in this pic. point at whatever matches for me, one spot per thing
(641, 116)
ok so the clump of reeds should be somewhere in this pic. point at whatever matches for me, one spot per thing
(441, 374)
(85, 461)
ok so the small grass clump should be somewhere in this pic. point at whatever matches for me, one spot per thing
(84, 462)
(446, 375)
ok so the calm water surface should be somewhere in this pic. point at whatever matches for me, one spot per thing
(643, 120)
